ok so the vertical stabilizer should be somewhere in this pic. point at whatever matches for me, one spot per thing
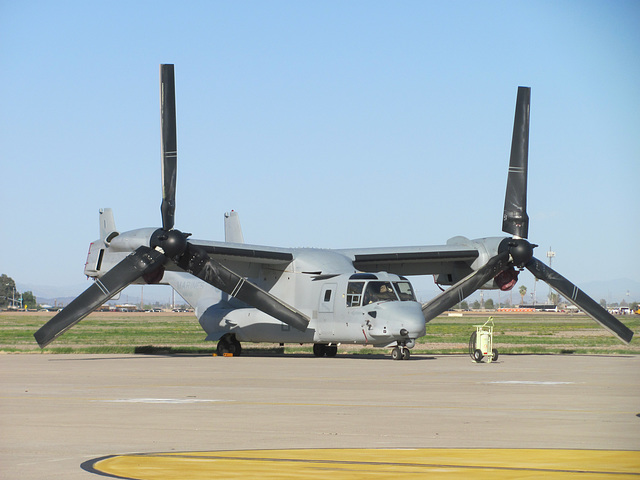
(232, 229)
(107, 226)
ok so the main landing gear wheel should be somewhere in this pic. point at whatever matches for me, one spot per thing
(229, 344)
(400, 353)
(322, 349)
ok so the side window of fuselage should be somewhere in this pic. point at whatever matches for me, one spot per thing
(327, 296)
(354, 294)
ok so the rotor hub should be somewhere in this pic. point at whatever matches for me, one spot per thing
(520, 250)
(172, 242)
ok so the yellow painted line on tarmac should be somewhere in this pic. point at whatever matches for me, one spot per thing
(342, 464)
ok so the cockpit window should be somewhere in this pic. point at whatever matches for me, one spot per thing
(354, 294)
(379, 292)
(405, 291)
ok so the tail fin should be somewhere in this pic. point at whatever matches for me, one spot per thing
(107, 226)
(232, 229)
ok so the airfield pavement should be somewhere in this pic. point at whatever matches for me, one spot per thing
(305, 417)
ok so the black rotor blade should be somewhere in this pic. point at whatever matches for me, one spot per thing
(580, 299)
(515, 219)
(143, 260)
(196, 261)
(169, 145)
(465, 287)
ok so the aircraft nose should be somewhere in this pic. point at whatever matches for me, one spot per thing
(404, 319)
(414, 321)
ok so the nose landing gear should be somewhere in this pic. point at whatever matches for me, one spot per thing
(400, 353)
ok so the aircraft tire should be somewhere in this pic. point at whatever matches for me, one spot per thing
(331, 350)
(236, 347)
(396, 353)
(222, 348)
(229, 344)
(319, 349)
(406, 354)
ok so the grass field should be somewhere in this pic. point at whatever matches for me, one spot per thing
(167, 333)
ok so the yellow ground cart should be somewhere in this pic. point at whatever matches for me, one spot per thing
(481, 343)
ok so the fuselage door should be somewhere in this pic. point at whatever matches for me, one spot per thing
(327, 297)
(326, 323)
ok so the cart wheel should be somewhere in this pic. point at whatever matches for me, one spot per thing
(495, 354)
(477, 356)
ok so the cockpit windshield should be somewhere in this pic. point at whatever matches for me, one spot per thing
(364, 293)
(405, 291)
(379, 292)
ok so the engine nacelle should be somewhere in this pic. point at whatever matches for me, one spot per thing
(487, 248)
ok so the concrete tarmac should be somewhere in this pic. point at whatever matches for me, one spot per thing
(58, 412)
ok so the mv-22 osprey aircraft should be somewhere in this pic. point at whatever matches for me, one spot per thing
(251, 293)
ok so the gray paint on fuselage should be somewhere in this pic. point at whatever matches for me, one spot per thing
(332, 321)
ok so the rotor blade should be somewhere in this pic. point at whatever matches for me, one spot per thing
(197, 262)
(144, 259)
(169, 145)
(465, 287)
(515, 219)
(580, 299)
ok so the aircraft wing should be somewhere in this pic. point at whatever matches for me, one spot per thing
(419, 260)
(247, 259)
(223, 251)
(424, 260)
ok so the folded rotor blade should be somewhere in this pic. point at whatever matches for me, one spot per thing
(580, 299)
(465, 287)
(197, 262)
(143, 260)
(515, 219)
(169, 145)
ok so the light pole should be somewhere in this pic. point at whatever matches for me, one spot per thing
(13, 298)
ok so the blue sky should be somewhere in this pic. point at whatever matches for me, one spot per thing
(325, 124)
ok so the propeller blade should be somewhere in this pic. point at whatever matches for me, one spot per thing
(515, 219)
(143, 260)
(465, 287)
(197, 262)
(169, 145)
(580, 299)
